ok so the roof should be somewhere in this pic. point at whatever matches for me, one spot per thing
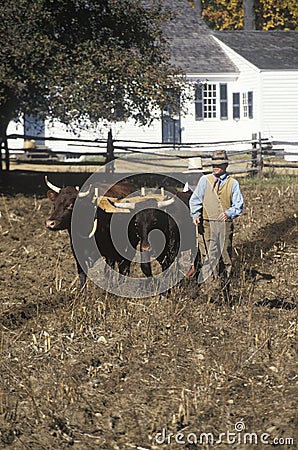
(192, 46)
(271, 50)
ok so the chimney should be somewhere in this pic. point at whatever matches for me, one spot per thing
(249, 14)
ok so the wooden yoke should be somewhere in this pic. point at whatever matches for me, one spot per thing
(107, 203)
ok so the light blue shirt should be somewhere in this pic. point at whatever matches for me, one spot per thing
(196, 200)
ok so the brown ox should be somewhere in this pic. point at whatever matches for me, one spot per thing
(63, 201)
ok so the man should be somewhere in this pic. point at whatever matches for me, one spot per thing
(214, 204)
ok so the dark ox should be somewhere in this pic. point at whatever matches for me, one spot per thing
(170, 217)
(63, 200)
(148, 217)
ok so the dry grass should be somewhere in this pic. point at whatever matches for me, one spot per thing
(96, 371)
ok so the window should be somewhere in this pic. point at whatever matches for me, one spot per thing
(210, 101)
(236, 105)
(250, 104)
(247, 98)
(205, 101)
(223, 91)
(245, 104)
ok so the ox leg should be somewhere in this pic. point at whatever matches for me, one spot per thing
(83, 278)
(110, 263)
(167, 258)
(82, 275)
(124, 266)
(81, 272)
(145, 264)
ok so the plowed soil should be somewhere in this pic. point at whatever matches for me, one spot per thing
(96, 371)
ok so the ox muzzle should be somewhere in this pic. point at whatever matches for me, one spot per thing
(51, 224)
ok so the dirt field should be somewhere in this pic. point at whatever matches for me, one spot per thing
(96, 371)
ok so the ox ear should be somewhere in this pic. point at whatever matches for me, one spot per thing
(52, 195)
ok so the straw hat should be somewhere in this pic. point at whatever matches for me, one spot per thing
(220, 157)
(194, 165)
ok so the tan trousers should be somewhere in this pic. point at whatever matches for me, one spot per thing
(215, 245)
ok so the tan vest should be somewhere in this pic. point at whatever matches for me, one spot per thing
(218, 199)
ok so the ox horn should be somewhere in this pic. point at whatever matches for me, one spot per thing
(164, 203)
(84, 194)
(91, 234)
(52, 186)
(124, 205)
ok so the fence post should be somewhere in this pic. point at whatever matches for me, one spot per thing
(260, 154)
(254, 153)
(109, 168)
(1, 168)
(4, 146)
(6, 154)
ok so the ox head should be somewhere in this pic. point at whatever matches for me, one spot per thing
(63, 200)
(148, 215)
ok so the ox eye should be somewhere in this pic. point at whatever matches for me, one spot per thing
(70, 206)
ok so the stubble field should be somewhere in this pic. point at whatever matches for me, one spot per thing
(96, 371)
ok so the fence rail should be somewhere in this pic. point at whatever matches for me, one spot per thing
(257, 153)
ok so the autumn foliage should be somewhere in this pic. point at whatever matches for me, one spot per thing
(269, 14)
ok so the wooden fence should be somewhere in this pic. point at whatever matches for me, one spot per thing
(257, 153)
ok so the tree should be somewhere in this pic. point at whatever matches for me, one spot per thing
(84, 59)
(269, 14)
(223, 14)
(276, 14)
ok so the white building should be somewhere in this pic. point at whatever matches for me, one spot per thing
(244, 82)
(268, 65)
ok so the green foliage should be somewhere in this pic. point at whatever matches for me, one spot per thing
(76, 60)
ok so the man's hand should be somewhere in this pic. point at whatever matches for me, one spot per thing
(196, 220)
(222, 217)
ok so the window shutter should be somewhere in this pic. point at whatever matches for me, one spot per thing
(223, 90)
(250, 104)
(236, 105)
(199, 103)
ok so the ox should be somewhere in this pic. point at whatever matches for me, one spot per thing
(63, 200)
(151, 215)
(172, 218)
(167, 216)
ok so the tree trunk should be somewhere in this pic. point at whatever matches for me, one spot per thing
(197, 5)
(249, 15)
(8, 111)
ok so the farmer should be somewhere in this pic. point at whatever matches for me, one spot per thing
(214, 204)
